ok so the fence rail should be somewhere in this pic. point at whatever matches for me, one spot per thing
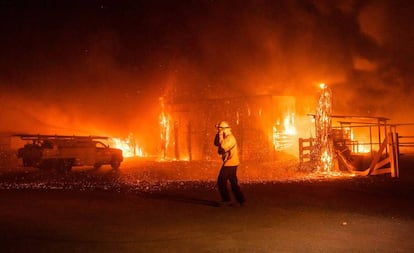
(405, 141)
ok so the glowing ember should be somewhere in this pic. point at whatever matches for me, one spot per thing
(326, 159)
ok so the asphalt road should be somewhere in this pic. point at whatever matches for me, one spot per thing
(145, 208)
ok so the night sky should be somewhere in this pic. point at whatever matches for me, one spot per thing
(100, 67)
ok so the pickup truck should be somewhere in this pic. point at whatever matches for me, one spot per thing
(62, 152)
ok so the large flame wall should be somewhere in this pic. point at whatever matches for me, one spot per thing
(253, 121)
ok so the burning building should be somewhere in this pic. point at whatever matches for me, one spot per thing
(265, 126)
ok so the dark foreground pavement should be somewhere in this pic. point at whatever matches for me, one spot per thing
(369, 214)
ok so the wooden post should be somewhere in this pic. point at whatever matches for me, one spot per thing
(176, 145)
(395, 172)
(190, 155)
(391, 153)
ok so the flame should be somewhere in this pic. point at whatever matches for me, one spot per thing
(363, 149)
(358, 147)
(164, 121)
(283, 139)
(326, 159)
(289, 124)
(128, 147)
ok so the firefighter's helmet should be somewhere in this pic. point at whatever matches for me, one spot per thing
(223, 125)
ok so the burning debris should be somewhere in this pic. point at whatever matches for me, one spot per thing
(324, 153)
(336, 148)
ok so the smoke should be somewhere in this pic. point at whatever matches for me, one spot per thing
(100, 67)
(382, 76)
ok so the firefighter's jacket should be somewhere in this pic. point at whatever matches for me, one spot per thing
(227, 148)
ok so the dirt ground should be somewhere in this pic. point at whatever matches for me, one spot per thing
(172, 207)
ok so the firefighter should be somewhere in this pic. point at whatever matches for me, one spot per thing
(227, 148)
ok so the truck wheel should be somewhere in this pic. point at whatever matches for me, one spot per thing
(27, 162)
(64, 165)
(46, 164)
(115, 164)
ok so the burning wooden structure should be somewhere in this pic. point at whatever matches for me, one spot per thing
(362, 145)
(265, 126)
